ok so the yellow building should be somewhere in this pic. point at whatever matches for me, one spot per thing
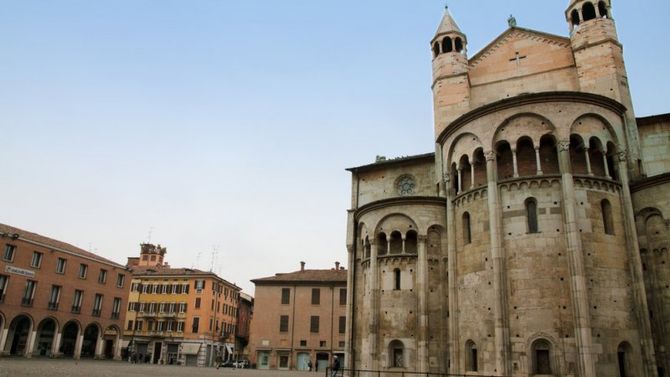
(178, 316)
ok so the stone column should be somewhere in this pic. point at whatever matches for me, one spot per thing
(588, 161)
(403, 243)
(422, 287)
(454, 364)
(472, 176)
(77, 346)
(373, 299)
(607, 169)
(351, 288)
(578, 288)
(502, 338)
(639, 292)
(30, 343)
(538, 161)
(3, 340)
(98, 346)
(55, 352)
(460, 180)
(514, 163)
(117, 348)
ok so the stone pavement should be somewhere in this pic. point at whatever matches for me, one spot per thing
(20, 367)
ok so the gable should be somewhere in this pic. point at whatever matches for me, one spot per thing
(537, 53)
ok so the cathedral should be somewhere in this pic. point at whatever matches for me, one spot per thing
(534, 240)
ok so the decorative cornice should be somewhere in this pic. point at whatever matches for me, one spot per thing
(530, 99)
(407, 200)
(650, 182)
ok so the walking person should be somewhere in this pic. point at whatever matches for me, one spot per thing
(336, 366)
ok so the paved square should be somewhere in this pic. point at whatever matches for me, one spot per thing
(19, 367)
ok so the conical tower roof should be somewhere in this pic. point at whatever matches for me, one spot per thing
(448, 25)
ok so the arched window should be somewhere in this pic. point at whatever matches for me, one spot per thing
(454, 177)
(436, 49)
(471, 356)
(504, 160)
(479, 165)
(596, 157)
(606, 211)
(466, 173)
(382, 244)
(531, 215)
(396, 242)
(396, 279)
(525, 157)
(367, 247)
(548, 155)
(397, 354)
(588, 11)
(458, 44)
(447, 45)
(577, 155)
(411, 242)
(623, 358)
(467, 235)
(541, 353)
(574, 17)
(602, 9)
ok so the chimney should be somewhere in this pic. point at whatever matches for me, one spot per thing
(337, 266)
(302, 266)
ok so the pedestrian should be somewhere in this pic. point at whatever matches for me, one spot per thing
(309, 365)
(218, 360)
(336, 366)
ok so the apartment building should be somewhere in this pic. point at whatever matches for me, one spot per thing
(178, 316)
(57, 300)
(299, 319)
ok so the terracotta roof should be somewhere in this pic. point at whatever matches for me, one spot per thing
(306, 276)
(169, 271)
(8, 231)
(395, 161)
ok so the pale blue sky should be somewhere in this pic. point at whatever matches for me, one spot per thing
(230, 123)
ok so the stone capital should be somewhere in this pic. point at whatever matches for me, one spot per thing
(563, 145)
(490, 155)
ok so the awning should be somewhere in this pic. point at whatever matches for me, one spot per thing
(190, 348)
(229, 348)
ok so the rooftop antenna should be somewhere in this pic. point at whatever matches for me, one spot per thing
(197, 261)
(151, 229)
(215, 254)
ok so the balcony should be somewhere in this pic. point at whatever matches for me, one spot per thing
(96, 312)
(76, 309)
(53, 306)
(26, 302)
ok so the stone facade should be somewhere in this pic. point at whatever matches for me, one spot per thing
(535, 240)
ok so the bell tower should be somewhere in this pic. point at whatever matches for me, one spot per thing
(600, 65)
(451, 84)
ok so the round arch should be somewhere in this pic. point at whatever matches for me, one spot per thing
(604, 131)
(69, 335)
(45, 337)
(92, 333)
(465, 143)
(503, 133)
(18, 335)
(111, 342)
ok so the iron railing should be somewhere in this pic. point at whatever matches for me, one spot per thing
(395, 373)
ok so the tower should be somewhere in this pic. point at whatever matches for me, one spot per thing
(600, 65)
(451, 85)
(151, 255)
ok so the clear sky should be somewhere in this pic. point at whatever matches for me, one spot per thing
(227, 125)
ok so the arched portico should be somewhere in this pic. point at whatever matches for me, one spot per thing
(91, 341)
(45, 338)
(111, 346)
(69, 343)
(19, 336)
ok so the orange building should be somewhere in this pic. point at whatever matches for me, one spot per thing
(57, 300)
(299, 318)
(178, 315)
